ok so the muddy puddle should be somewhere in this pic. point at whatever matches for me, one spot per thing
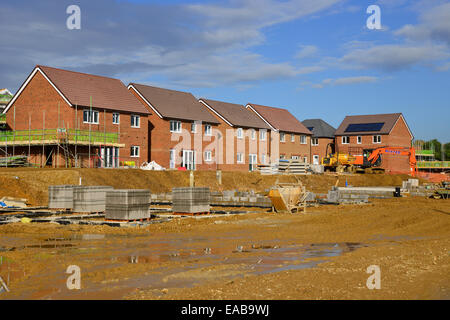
(162, 263)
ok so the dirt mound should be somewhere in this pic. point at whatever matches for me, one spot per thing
(33, 183)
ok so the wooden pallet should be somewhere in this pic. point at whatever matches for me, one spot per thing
(190, 213)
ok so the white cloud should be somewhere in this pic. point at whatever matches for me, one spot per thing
(306, 51)
(341, 81)
(434, 25)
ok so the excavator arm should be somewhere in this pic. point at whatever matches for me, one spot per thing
(410, 152)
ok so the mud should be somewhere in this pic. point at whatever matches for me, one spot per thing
(323, 254)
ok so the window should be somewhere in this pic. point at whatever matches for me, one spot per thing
(303, 139)
(175, 126)
(115, 118)
(282, 156)
(292, 137)
(345, 140)
(263, 158)
(135, 121)
(305, 159)
(315, 141)
(90, 116)
(262, 134)
(240, 133)
(294, 157)
(282, 137)
(253, 134)
(377, 139)
(172, 159)
(134, 151)
(358, 139)
(240, 157)
(193, 127)
(208, 156)
(208, 130)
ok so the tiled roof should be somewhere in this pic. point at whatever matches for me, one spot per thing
(280, 119)
(174, 104)
(236, 114)
(106, 93)
(385, 121)
(319, 128)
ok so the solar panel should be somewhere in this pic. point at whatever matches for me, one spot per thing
(365, 127)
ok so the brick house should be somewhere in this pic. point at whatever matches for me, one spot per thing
(359, 135)
(182, 133)
(246, 138)
(293, 137)
(63, 118)
(321, 140)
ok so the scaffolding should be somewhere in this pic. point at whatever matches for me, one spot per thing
(62, 140)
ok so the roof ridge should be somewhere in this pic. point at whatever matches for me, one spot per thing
(154, 87)
(83, 73)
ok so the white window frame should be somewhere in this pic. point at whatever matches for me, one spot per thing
(359, 139)
(208, 130)
(344, 138)
(240, 133)
(303, 139)
(91, 116)
(194, 127)
(172, 158)
(376, 139)
(263, 158)
(305, 160)
(282, 137)
(314, 141)
(133, 119)
(295, 157)
(292, 137)
(116, 118)
(175, 126)
(253, 134)
(239, 157)
(133, 153)
(208, 156)
(262, 134)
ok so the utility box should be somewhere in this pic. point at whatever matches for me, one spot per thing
(90, 198)
(191, 200)
(127, 204)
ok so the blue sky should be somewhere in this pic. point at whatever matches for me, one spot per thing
(316, 58)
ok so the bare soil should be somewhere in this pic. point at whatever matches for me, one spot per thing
(323, 254)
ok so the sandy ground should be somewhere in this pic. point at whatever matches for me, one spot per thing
(323, 254)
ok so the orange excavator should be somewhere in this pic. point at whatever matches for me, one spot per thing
(397, 151)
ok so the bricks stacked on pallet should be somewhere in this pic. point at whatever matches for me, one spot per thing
(60, 197)
(90, 198)
(127, 204)
(191, 200)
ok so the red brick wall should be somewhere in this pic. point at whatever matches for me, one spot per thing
(246, 146)
(39, 96)
(398, 137)
(161, 140)
(289, 148)
(321, 149)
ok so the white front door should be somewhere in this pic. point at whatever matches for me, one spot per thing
(316, 159)
(188, 159)
(252, 161)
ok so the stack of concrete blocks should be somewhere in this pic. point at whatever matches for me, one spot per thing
(335, 195)
(90, 199)
(411, 184)
(126, 204)
(372, 192)
(317, 168)
(191, 200)
(60, 197)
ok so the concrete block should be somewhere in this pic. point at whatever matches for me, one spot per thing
(127, 204)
